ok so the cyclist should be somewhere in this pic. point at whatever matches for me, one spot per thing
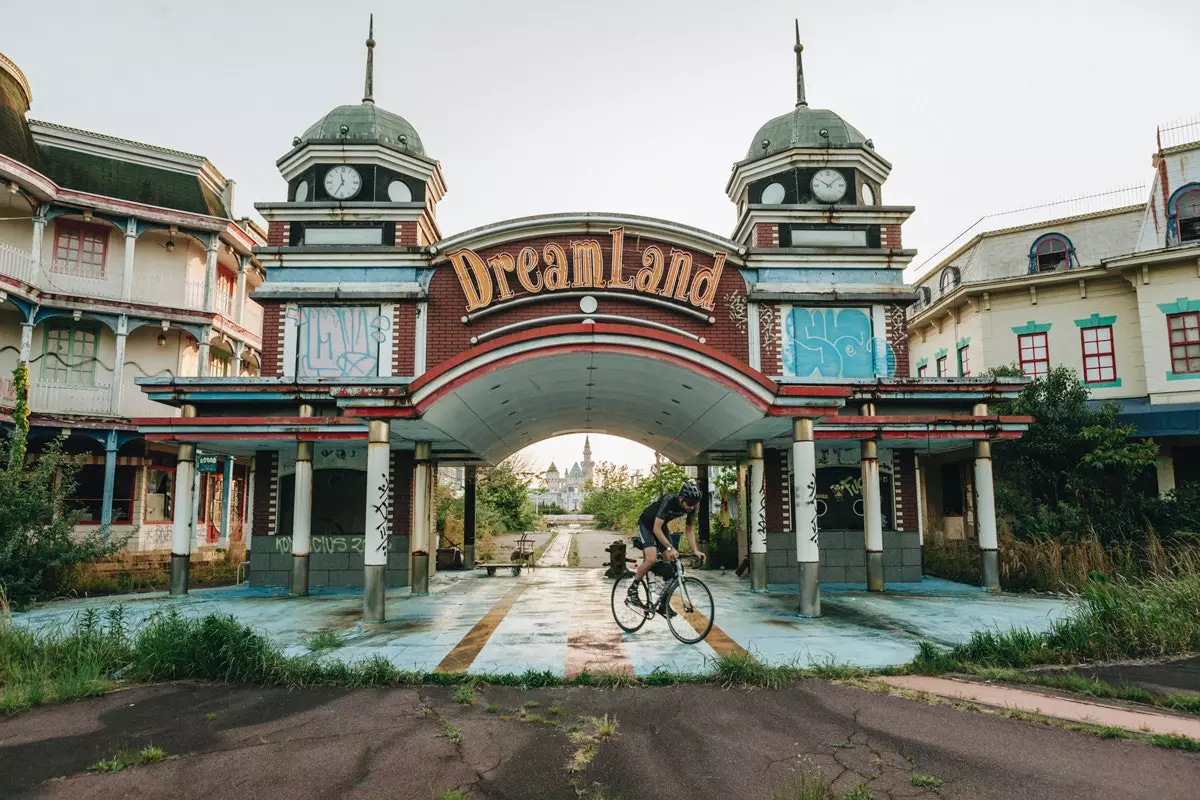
(654, 534)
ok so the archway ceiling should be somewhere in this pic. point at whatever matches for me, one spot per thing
(669, 408)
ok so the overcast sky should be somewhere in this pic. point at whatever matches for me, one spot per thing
(636, 106)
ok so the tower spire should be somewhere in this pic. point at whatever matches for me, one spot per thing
(369, 89)
(801, 100)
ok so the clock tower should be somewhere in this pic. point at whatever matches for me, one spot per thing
(813, 183)
(358, 177)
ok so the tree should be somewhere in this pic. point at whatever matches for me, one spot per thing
(505, 489)
(37, 539)
(1076, 472)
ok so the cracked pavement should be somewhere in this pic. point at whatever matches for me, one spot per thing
(681, 741)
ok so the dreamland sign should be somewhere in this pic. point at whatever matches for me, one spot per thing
(573, 264)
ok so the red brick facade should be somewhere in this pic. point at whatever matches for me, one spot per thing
(446, 335)
(402, 481)
(889, 237)
(406, 234)
(266, 473)
(272, 338)
(897, 338)
(905, 481)
(770, 338)
(766, 234)
(278, 233)
(404, 339)
(775, 486)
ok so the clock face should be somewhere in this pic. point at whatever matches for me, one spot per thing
(828, 186)
(342, 182)
(868, 195)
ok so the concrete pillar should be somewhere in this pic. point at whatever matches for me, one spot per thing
(804, 500)
(203, 347)
(226, 503)
(248, 522)
(235, 366)
(210, 274)
(704, 515)
(743, 519)
(431, 511)
(379, 520)
(26, 341)
(469, 483)
(201, 534)
(985, 511)
(1166, 471)
(758, 518)
(39, 231)
(302, 518)
(118, 377)
(872, 515)
(181, 525)
(419, 575)
(110, 479)
(131, 233)
(239, 308)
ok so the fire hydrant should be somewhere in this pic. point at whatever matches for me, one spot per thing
(616, 560)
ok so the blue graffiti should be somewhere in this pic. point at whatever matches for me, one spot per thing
(341, 341)
(834, 343)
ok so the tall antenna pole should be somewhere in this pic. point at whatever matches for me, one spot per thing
(369, 89)
(801, 100)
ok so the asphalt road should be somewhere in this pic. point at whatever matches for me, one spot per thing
(677, 742)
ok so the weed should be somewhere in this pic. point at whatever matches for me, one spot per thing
(533, 718)
(450, 794)
(805, 787)
(859, 792)
(1112, 732)
(556, 709)
(845, 745)
(530, 704)
(604, 727)
(492, 709)
(581, 758)
(1172, 741)
(451, 733)
(321, 641)
(108, 765)
(211, 716)
(925, 781)
(151, 754)
(465, 694)
(1183, 702)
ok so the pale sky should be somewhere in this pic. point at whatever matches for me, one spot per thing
(636, 106)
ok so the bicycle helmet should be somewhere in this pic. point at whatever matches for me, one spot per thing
(690, 493)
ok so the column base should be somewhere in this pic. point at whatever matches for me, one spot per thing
(810, 589)
(179, 574)
(758, 572)
(990, 560)
(419, 580)
(299, 575)
(374, 576)
(874, 572)
(704, 552)
(468, 557)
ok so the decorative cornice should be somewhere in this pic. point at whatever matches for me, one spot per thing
(1032, 327)
(1096, 321)
(1181, 305)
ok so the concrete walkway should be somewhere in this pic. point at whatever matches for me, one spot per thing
(560, 620)
(1094, 713)
(556, 553)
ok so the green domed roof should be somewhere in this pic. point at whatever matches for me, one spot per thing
(366, 123)
(802, 127)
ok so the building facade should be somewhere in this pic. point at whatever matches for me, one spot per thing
(569, 488)
(1107, 285)
(390, 349)
(119, 261)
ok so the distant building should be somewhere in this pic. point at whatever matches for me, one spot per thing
(568, 489)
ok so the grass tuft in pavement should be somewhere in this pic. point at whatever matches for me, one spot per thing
(450, 794)
(465, 694)
(321, 641)
(1172, 741)
(925, 781)
(451, 733)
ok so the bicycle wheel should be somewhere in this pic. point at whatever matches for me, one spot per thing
(629, 617)
(693, 605)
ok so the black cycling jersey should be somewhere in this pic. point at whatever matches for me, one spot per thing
(668, 508)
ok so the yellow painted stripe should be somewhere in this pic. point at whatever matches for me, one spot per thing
(717, 639)
(464, 653)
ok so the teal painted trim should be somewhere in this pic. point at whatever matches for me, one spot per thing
(1096, 321)
(1032, 327)
(227, 496)
(1101, 385)
(1183, 376)
(924, 362)
(964, 342)
(110, 479)
(1182, 305)
(941, 353)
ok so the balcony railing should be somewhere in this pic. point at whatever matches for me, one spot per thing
(66, 398)
(223, 304)
(170, 291)
(16, 263)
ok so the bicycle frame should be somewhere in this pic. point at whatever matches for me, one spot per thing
(667, 585)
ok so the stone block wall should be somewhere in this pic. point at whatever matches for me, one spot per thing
(271, 568)
(844, 557)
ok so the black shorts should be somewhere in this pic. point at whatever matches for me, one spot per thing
(646, 538)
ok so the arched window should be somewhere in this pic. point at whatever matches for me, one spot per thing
(1050, 252)
(948, 280)
(1187, 215)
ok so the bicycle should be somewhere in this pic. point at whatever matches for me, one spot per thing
(693, 609)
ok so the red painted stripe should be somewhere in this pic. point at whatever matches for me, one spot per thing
(792, 390)
(932, 418)
(250, 437)
(802, 411)
(189, 421)
(405, 412)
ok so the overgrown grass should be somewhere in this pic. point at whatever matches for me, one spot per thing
(321, 641)
(1118, 619)
(813, 786)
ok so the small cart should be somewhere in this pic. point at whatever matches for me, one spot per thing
(522, 558)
